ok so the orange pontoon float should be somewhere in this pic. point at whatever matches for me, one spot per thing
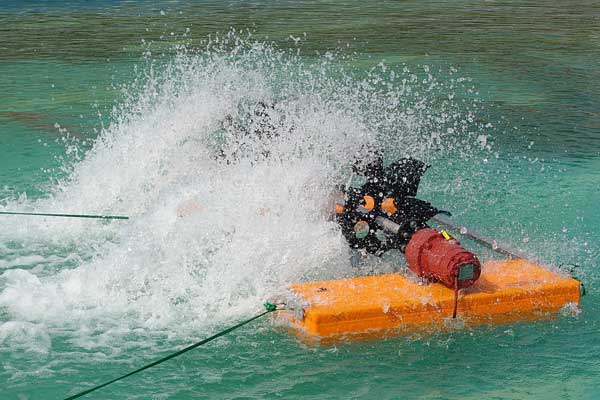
(448, 280)
(375, 306)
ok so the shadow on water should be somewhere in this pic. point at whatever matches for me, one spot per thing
(37, 121)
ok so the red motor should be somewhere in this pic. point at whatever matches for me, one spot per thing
(431, 255)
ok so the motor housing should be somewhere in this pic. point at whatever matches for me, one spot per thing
(431, 255)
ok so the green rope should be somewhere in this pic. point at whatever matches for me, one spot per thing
(65, 215)
(268, 306)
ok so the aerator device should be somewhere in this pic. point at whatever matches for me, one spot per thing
(384, 214)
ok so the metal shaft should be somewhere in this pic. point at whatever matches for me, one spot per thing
(481, 239)
(393, 228)
(388, 225)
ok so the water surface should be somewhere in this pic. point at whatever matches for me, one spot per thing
(500, 97)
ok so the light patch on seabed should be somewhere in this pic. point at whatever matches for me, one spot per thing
(544, 389)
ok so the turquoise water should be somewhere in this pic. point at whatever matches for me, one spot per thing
(117, 107)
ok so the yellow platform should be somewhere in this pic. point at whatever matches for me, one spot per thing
(507, 291)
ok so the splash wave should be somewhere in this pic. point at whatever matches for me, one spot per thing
(225, 158)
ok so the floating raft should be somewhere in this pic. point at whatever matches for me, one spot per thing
(375, 306)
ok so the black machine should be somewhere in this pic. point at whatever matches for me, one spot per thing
(388, 195)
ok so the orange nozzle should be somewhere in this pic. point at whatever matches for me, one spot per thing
(339, 209)
(389, 206)
(369, 203)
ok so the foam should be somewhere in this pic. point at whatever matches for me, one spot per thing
(25, 336)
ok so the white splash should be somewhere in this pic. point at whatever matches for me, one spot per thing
(253, 208)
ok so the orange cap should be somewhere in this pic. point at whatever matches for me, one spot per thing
(389, 206)
(369, 203)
